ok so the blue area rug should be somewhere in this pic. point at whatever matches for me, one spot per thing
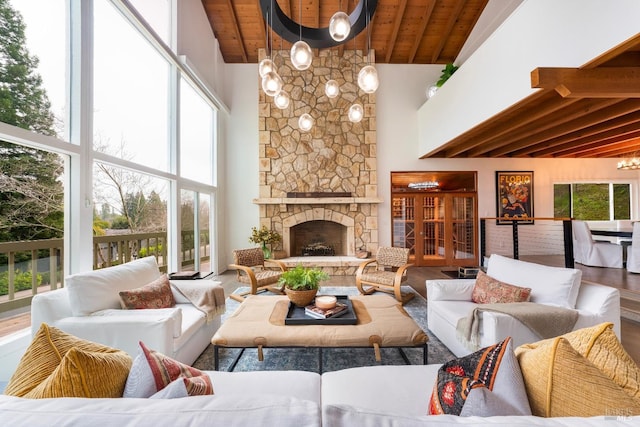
(333, 359)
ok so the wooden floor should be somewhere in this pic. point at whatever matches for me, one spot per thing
(627, 283)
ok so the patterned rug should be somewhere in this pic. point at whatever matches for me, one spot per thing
(306, 359)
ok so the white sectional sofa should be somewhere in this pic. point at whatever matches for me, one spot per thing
(450, 300)
(370, 396)
(89, 307)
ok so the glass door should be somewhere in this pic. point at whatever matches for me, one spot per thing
(434, 216)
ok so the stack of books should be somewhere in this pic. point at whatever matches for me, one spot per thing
(319, 313)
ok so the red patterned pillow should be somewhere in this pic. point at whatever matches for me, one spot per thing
(156, 294)
(152, 372)
(485, 383)
(488, 290)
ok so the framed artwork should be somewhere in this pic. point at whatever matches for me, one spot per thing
(514, 194)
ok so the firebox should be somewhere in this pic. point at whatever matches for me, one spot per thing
(318, 238)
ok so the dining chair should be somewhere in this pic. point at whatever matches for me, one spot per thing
(633, 251)
(586, 251)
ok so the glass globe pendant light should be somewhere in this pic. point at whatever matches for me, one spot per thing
(266, 66)
(332, 89)
(339, 26)
(301, 55)
(368, 79)
(281, 100)
(305, 122)
(271, 83)
(356, 113)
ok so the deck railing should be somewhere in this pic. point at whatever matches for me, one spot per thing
(33, 266)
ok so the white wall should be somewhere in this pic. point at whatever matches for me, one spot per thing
(539, 33)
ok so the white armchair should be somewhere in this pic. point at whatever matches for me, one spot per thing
(586, 251)
(89, 307)
(450, 300)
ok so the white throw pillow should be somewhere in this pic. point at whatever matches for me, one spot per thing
(549, 285)
(98, 289)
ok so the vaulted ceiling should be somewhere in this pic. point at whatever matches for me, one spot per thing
(401, 31)
(593, 111)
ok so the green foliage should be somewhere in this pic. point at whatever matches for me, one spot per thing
(120, 223)
(31, 194)
(22, 281)
(303, 278)
(143, 252)
(591, 202)
(264, 235)
(447, 72)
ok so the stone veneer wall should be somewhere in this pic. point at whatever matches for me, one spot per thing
(335, 156)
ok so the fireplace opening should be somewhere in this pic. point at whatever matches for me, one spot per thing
(318, 238)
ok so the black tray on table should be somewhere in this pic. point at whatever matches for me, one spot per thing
(297, 316)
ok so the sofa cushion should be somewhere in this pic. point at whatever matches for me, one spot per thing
(156, 294)
(488, 290)
(45, 354)
(98, 290)
(153, 371)
(86, 374)
(549, 285)
(560, 382)
(494, 369)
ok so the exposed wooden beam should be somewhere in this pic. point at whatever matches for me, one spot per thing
(557, 133)
(604, 82)
(451, 21)
(424, 20)
(397, 21)
(570, 148)
(236, 30)
(606, 147)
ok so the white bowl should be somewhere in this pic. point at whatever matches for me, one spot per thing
(326, 302)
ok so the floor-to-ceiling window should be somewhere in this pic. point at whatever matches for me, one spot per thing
(102, 132)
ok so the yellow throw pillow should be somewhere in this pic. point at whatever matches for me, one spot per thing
(86, 374)
(560, 382)
(44, 354)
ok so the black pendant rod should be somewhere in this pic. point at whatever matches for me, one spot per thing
(290, 30)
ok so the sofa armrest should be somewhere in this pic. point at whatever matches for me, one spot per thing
(49, 307)
(450, 289)
(598, 304)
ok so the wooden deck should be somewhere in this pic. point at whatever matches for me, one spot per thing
(627, 283)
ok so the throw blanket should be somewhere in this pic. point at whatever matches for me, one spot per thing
(205, 297)
(544, 320)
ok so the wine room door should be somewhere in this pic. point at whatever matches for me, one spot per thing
(438, 227)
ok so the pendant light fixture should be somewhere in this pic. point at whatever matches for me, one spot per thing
(339, 25)
(331, 87)
(368, 77)
(305, 122)
(271, 81)
(281, 100)
(356, 112)
(301, 55)
(266, 66)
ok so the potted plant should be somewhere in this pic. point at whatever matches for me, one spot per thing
(301, 284)
(264, 236)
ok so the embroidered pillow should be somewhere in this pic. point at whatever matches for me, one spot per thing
(488, 290)
(156, 294)
(485, 383)
(152, 372)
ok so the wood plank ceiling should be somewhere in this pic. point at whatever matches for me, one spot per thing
(590, 112)
(401, 31)
(599, 120)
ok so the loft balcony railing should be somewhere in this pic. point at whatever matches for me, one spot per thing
(35, 266)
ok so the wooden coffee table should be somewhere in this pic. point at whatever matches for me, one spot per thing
(259, 322)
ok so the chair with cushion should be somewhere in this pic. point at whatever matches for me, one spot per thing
(586, 251)
(633, 251)
(385, 273)
(252, 270)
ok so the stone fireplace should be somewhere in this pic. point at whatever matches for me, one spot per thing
(319, 187)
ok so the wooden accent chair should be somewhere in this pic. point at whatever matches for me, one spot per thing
(251, 269)
(385, 273)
